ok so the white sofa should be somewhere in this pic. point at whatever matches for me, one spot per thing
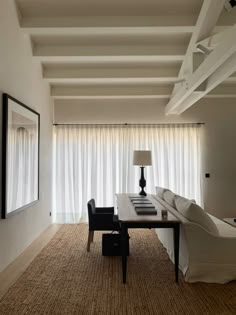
(207, 244)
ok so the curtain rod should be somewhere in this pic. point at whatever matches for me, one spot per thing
(126, 124)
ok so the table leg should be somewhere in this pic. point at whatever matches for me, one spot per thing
(124, 234)
(176, 251)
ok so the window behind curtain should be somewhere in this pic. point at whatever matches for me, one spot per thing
(92, 161)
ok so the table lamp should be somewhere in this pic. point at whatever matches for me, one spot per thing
(142, 158)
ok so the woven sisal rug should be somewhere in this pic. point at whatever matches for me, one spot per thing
(65, 279)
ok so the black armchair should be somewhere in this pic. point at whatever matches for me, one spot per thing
(100, 219)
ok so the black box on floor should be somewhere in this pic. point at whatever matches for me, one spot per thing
(111, 244)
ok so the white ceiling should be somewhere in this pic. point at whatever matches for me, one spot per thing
(126, 48)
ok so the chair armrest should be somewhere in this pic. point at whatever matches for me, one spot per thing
(103, 221)
(104, 209)
(103, 217)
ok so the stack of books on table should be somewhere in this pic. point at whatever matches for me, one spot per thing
(143, 206)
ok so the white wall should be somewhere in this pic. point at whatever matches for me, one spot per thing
(219, 131)
(21, 77)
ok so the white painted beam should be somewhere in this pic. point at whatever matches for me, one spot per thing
(110, 59)
(209, 14)
(109, 90)
(106, 21)
(73, 71)
(218, 59)
(109, 50)
(111, 97)
(218, 76)
(135, 96)
(115, 80)
(181, 97)
(215, 39)
(106, 31)
(222, 72)
(208, 17)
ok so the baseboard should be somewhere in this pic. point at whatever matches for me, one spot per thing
(12, 272)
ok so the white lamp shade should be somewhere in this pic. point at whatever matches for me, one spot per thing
(142, 158)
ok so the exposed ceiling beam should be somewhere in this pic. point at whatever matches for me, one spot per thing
(208, 16)
(83, 91)
(122, 30)
(111, 97)
(135, 96)
(110, 59)
(74, 71)
(107, 50)
(115, 21)
(181, 97)
(115, 80)
(216, 38)
(106, 21)
(76, 91)
(222, 72)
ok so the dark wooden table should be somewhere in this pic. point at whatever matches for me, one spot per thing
(129, 219)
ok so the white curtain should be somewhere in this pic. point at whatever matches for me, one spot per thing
(93, 161)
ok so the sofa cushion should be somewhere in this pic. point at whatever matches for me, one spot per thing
(195, 213)
(160, 191)
(169, 197)
(181, 203)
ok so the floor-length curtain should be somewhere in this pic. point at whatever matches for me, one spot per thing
(92, 161)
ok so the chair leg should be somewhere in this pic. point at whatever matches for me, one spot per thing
(89, 240)
(92, 236)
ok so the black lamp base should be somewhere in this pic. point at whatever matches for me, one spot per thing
(142, 193)
(142, 182)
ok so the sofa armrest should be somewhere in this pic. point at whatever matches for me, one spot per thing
(205, 247)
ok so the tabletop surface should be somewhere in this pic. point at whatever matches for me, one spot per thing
(126, 211)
